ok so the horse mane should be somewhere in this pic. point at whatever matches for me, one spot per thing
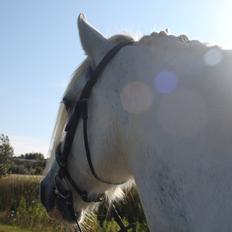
(163, 40)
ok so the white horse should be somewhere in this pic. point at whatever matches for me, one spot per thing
(160, 114)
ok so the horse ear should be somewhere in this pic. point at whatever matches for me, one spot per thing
(92, 41)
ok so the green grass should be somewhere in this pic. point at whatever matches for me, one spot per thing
(5, 228)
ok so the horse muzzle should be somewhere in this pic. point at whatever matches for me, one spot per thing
(56, 199)
(47, 193)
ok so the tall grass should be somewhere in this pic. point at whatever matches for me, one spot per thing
(20, 205)
(14, 187)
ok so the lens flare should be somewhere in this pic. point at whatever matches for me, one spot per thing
(136, 97)
(213, 57)
(165, 82)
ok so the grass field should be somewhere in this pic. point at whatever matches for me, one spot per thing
(4, 228)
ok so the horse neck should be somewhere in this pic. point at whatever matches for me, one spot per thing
(153, 178)
(178, 178)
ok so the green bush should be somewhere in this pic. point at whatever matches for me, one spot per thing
(34, 217)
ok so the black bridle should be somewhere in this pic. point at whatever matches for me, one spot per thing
(63, 193)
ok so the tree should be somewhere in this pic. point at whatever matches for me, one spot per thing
(6, 153)
(33, 156)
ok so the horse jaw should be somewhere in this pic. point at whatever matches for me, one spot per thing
(93, 42)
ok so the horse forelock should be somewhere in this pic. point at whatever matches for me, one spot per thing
(56, 135)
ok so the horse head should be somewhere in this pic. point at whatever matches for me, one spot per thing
(76, 179)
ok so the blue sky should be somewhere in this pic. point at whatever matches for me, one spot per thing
(39, 49)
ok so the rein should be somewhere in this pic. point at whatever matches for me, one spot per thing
(63, 193)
